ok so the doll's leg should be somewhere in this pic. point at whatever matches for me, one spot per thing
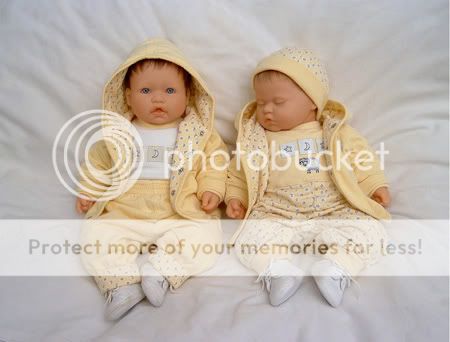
(263, 240)
(265, 247)
(114, 246)
(354, 239)
(186, 248)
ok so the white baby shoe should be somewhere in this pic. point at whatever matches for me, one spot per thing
(120, 300)
(331, 280)
(281, 279)
(153, 284)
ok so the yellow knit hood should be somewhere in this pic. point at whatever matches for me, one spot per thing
(304, 68)
(200, 100)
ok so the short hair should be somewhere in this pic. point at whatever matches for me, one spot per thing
(157, 63)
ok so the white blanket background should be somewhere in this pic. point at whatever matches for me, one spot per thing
(388, 62)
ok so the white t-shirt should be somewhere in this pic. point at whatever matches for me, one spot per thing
(157, 143)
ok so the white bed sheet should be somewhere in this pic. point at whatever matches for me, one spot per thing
(387, 61)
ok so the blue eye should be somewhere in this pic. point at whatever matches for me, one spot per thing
(170, 90)
(145, 90)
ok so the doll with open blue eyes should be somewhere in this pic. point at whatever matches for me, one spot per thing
(170, 107)
(310, 198)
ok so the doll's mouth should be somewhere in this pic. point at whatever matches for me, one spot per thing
(158, 111)
(270, 123)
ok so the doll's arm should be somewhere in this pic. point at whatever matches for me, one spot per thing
(365, 162)
(382, 196)
(99, 159)
(83, 205)
(236, 184)
(212, 177)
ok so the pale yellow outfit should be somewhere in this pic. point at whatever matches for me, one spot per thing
(305, 194)
(289, 207)
(166, 212)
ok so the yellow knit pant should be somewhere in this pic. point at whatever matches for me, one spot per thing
(309, 218)
(142, 221)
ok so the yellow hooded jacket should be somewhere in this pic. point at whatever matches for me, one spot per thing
(197, 127)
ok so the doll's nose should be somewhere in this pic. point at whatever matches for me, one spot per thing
(157, 97)
(267, 109)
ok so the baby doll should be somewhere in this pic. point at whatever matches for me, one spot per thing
(293, 119)
(168, 103)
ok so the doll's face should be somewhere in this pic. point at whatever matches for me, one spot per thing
(281, 103)
(157, 95)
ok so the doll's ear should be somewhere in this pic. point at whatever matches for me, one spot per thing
(128, 96)
(188, 94)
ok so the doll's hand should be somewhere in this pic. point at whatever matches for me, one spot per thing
(210, 201)
(382, 196)
(235, 209)
(83, 205)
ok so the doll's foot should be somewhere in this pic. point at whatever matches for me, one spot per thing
(282, 280)
(153, 284)
(331, 280)
(120, 300)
